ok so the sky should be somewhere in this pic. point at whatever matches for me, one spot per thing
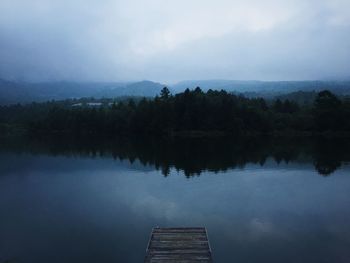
(173, 40)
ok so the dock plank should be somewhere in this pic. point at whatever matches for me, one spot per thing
(183, 245)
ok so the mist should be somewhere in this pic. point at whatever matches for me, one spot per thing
(169, 41)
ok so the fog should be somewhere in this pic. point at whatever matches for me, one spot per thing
(168, 41)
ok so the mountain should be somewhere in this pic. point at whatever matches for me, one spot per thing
(24, 92)
(11, 92)
(300, 97)
(265, 88)
(144, 88)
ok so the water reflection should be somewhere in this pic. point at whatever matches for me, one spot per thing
(193, 156)
(67, 200)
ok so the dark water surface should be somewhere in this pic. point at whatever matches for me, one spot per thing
(93, 200)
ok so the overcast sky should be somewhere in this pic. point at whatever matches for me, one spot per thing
(171, 40)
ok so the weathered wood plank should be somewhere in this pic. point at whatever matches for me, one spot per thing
(175, 238)
(181, 237)
(181, 261)
(184, 245)
(180, 234)
(179, 251)
(180, 231)
(179, 242)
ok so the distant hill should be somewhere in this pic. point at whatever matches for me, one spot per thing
(300, 97)
(265, 88)
(143, 88)
(24, 92)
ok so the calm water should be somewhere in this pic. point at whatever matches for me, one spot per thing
(97, 200)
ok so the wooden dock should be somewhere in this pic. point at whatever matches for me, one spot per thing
(180, 245)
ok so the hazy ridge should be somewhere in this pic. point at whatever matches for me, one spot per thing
(25, 92)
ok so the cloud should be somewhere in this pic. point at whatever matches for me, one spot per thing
(171, 40)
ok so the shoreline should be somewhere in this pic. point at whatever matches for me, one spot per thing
(20, 131)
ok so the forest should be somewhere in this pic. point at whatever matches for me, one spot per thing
(190, 113)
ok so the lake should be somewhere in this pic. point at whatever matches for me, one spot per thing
(96, 200)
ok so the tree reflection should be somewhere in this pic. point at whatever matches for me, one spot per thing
(328, 156)
(195, 155)
(326, 167)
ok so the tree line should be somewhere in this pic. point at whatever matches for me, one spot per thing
(211, 112)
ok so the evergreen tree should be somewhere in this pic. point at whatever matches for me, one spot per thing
(164, 93)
